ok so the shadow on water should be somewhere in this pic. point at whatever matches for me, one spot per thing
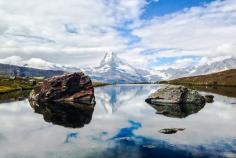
(177, 110)
(64, 114)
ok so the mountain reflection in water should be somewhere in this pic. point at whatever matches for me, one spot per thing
(122, 125)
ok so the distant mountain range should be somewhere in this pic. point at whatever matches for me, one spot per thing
(216, 66)
(12, 70)
(113, 69)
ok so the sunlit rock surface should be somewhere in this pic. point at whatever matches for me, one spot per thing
(68, 88)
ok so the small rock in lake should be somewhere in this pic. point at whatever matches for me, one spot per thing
(69, 88)
(20, 98)
(171, 130)
(209, 98)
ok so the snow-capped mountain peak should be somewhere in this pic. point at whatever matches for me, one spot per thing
(110, 58)
(115, 70)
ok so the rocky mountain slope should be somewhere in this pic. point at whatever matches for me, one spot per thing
(12, 70)
(203, 69)
(113, 70)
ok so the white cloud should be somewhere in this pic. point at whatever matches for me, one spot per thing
(38, 63)
(32, 62)
(208, 61)
(40, 26)
(13, 60)
(78, 32)
(198, 31)
(178, 64)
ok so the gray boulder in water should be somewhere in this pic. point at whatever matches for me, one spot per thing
(173, 94)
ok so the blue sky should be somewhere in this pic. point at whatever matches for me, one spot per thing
(146, 33)
(165, 7)
(158, 9)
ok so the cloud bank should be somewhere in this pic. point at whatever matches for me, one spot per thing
(78, 32)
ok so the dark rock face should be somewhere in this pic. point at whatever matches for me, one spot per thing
(64, 114)
(68, 88)
(175, 95)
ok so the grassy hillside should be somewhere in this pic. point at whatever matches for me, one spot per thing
(10, 84)
(225, 91)
(224, 78)
(99, 84)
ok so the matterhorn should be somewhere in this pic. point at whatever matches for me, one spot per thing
(113, 69)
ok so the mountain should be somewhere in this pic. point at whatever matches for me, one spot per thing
(37, 63)
(202, 69)
(221, 65)
(12, 70)
(114, 70)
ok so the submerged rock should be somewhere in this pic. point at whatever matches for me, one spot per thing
(170, 95)
(171, 130)
(209, 98)
(68, 88)
(64, 114)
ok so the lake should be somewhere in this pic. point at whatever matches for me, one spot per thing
(120, 125)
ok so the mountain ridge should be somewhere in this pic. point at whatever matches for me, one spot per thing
(113, 69)
(13, 70)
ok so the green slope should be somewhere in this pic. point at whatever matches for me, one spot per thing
(224, 78)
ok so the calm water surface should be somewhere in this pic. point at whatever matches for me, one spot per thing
(122, 125)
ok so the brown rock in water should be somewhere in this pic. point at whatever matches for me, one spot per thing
(68, 88)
